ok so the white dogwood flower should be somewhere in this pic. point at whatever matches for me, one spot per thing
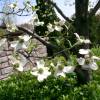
(88, 62)
(22, 43)
(62, 70)
(19, 61)
(86, 41)
(41, 72)
(35, 21)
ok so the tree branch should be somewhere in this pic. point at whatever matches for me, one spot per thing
(60, 12)
(30, 33)
(24, 30)
(95, 9)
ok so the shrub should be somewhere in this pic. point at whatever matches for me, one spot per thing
(24, 86)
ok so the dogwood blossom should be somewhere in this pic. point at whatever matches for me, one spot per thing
(62, 70)
(86, 41)
(56, 26)
(35, 21)
(19, 61)
(88, 62)
(40, 71)
(22, 43)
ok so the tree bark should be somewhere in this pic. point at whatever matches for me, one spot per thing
(82, 28)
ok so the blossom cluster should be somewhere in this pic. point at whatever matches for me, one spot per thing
(87, 61)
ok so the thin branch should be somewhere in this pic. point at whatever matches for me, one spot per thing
(14, 13)
(60, 12)
(19, 12)
(95, 9)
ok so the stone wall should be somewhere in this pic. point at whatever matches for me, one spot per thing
(6, 69)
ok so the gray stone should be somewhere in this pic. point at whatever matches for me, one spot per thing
(7, 70)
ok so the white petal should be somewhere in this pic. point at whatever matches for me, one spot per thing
(39, 23)
(18, 46)
(69, 69)
(41, 78)
(47, 73)
(12, 5)
(58, 28)
(81, 61)
(20, 69)
(77, 36)
(35, 17)
(35, 73)
(84, 51)
(14, 44)
(50, 27)
(93, 66)
(24, 46)
(25, 37)
(60, 73)
(95, 58)
(61, 22)
(81, 40)
(87, 41)
(40, 64)
(51, 64)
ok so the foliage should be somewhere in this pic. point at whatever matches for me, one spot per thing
(95, 29)
(23, 86)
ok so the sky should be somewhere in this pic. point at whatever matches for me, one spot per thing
(67, 6)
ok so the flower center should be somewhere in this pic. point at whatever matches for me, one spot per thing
(21, 40)
(16, 65)
(87, 61)
(40, 71)
(60, 67)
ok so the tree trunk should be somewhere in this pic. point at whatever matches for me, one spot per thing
(82, 28)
